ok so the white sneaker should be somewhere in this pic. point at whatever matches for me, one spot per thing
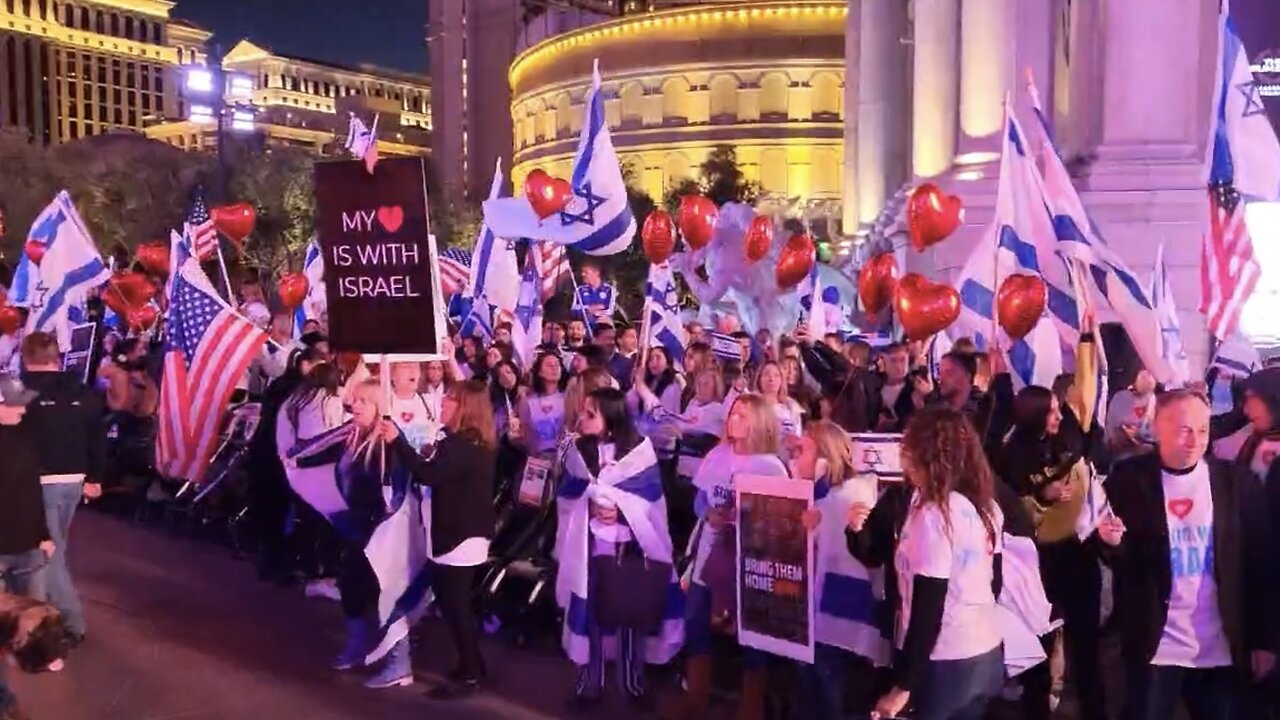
(323, 588)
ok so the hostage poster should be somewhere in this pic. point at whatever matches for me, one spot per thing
(382, 277)
(775, 566)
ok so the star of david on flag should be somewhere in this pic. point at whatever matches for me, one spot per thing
(598, 218)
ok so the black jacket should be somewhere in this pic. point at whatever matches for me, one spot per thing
(1243, 567)
(22, 524)
(67, 423)
(854, 404)
(460, 474)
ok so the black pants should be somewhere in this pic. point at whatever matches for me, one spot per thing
(269, 501)
(1073, 582)
(1037, 684)
(1154, 692)
(357, 585)
(452, 586)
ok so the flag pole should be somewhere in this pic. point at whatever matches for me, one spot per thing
(586, 319)
(226, 279)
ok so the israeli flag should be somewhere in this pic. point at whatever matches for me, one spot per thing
(850, 597)
(1010, 248)
(1171, 347)
(362, 141)
(1241, 118)
(316, 303)
(663, 303)
(526, 328)
(24, 281)
(1107, 276)
(71, 266)
(598, 219)
(494, 283)
(398, 549)
(1236, 356)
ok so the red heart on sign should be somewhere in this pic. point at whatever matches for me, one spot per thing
(390, 218)
(406, 417)
(1181, 507)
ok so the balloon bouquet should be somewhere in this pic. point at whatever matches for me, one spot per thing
(924, 307)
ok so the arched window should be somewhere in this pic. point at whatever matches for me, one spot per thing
(675, 168)
(84, 18)
(564, 115)
(773, 96)
(724, 98)
(128, 27)
(115, 25)
(675, 100)
(773, 170)
(825, 172)
(827, 96)
(632, 97)
(142, 30)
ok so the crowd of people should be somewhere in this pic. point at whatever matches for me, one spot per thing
(1019, 512)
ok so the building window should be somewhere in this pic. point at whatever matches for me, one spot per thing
(116, 96)
(142, 30)
(99, 23)
(724, 98)
(564, 115)
(131, 76)
(119, 116)
(155, 33)
(133, 118)
(73, 109)
(146, 78)
(826, 96)
(632, 98)
(675, 168)
(73, 130)
(773, 96)
(128, 27)
(159, 85)
(146, 102)
(675, 100)
(84, 18)
(773, 170)
(68, 14)
(115, 25)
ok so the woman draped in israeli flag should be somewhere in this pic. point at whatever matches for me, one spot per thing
(850, 597)
(354, 480)
(611, 512)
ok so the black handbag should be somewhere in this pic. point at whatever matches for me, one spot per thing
(628, 590)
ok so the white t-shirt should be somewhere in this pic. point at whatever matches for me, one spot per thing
(419, 422)
(889, 395)
(715, 479)
(1193, 635)
(962, 554)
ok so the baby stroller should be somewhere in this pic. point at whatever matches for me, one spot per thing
(218, 505)
(519, 587)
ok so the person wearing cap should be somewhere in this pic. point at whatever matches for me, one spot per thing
(68, 428)
(25, 543)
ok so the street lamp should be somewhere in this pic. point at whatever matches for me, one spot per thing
(222, 99)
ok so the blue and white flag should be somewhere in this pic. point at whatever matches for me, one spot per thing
(1108, 276)
(598, 219)
(849, 596)
(662, 302)
(71, 266)
(526, 327)
(1241, 122)
(494, 281)
(1171, 347)
(24, 281)
(1236, 356)
(316, 303)
(633, 485)
(362, 141)
(1011, 247)
(399, 546)
(1088, 306)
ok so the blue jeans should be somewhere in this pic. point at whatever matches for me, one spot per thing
(960, 689)
(24, 573)
(1208, 693)
(822, 684)
(60, 503)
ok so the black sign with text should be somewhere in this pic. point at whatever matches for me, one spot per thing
(76, 359)
(380, 274)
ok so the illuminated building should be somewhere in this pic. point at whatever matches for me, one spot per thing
(766, 77)
(306, 103)
(85, 67)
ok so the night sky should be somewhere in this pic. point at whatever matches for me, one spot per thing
(390, 33)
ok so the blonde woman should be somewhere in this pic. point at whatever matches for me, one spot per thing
(342, 473)
(848, 595)
(749, 446)
(771, 384)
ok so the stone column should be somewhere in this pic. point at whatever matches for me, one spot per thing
(850, 182)
(873, 108)
(935, 85)
(988, 43)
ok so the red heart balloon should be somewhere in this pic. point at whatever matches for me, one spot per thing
(932, 215)
(10, 320)
(128, 291)
(1020, 303)
(758, 238)
(925, 308)
(658, 236)
(35, 251)
(154, 258)
(548, 195)
(877, 282)
(293, 289)
(143, 318)
(235, 220)
(795, 261)
(697, 220)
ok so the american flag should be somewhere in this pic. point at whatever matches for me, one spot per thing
(202, 235)
(552, 264)
(455, 268)
(209, 347)
(1228, 269)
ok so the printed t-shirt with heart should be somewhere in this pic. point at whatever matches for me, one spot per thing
(1193, 636)
(416, 419)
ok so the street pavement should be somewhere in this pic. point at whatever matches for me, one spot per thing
(180, 630)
